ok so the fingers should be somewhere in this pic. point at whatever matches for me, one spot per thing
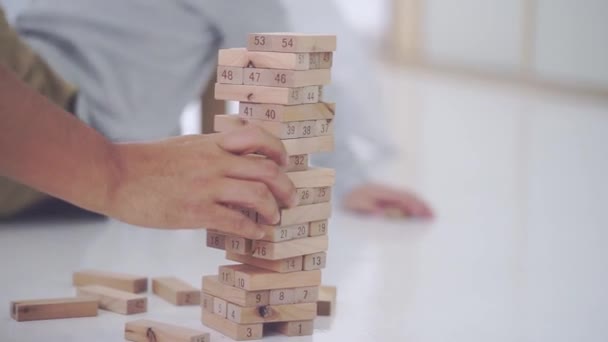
(234, 223)
(251, 139)
(250, 195)
(410, 204)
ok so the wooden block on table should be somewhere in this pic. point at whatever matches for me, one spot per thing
(304, 213)
(230, 75)
(220, 307)
(120, 281)
(309, 294)
(53, 308)
(238, 245)
(238, 332)
(144, 330)
(212, 287)
(272, 313)
(283, 113)
(294, 328)
(255, 279)
(176, 291)
(282, 296)
(291, 42)
(241, 57)
(313, 177)
(118, 301)
(289, 249)
(275, 95)
(317, 228)
(309, 145)
(326, 304)
(315, 261)
(285, 78)
(321, 60)
(282, 266)
(297, 163)
(216, 240)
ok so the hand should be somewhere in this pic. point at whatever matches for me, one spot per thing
(376, 199)
(188, 182)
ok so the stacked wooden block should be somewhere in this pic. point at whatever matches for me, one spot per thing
(278, 80)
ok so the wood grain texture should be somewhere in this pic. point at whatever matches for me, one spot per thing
(176, 291)
(282, 266)
(255, 279)
(53, 308)
(118, 301)
(272, 313)
(289, 249)
(283, 113)
(275, 95)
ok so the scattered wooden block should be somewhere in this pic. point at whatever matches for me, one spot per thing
(309, 294)
(207, 299)
(309, 145)
(272, 313)
(304, 213)
(254, 279)
(285, 78)
(241, 57)
(297, 163)
(282, 266)
(118, 301)
(289, 249)
(230, 75)
(275, 95)
(317, 228)
(321, 60)
(238, 245)
(294, 328)
(321, 194)
(283, 113)
(53, 308)
(313, 177)
(176, 291)
(315, 261)
(144, 330)
(291, 42)
(282, 296)
(326, 304)
(238, 332)
(220, 307)
(212, 287)
(216, 240)
(120, 281)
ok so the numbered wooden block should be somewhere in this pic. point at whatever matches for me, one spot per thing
(241, 57)
(259, 94)
(118, 301)
(305, 196)
(285, 78)
(321, 195)
(281, 130)
(272, 313)
(282, 113)
(207, 299)
(309, 294)
(176, 291)
(230, 75)
(216, 240)
(144, 330)
(53, 308)
(220, 307)
(324, 127)
(321, 60)
(212, 287)
(275, 233)
(282, 266)
(237, 332)
(120, 281)
(297, 163)
(304, 213)
(291, 42)
(226, 273)
(256, 279)
(326, 304)
(306, 129)
(238, 245)
(299, 231)
(309, 145)
(315, 261)
(313, 177)
(317, 228)
(282, 296)
(289, 249)
(295, 328)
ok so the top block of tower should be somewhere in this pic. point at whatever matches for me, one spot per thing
(291, 42)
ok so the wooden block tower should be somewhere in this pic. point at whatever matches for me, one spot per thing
(278, 80)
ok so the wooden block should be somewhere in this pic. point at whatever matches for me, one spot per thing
(230, 75)
(289, 249)
(240, 57)
(309, 294)
(282, 266)
(326, 304)
(294, 328)
(309, 145)
(118, 301)
(281, 130)
(220, 307)
(212, 286)
(305, 196)
(285, 78)
(313, 177)
(120, 281)
(299, 231)
(207, 299)
(282, 296)
(272, 313)
(317, 228)
(275, 95)
(283, 113)
(238, 332)
(176, 291)
(291, 42)
(216, 240)
(322, 194)
(144, 330)
(324, 127)
(238, 245)
(277, 233)
(321, 60)
(315, 261)
(226, 273)
(304, 213)
(297, 163)
(53, 308)
(255, 279)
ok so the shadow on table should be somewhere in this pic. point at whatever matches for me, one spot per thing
(53, 210)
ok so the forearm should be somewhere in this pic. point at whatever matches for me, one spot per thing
(51, 150)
